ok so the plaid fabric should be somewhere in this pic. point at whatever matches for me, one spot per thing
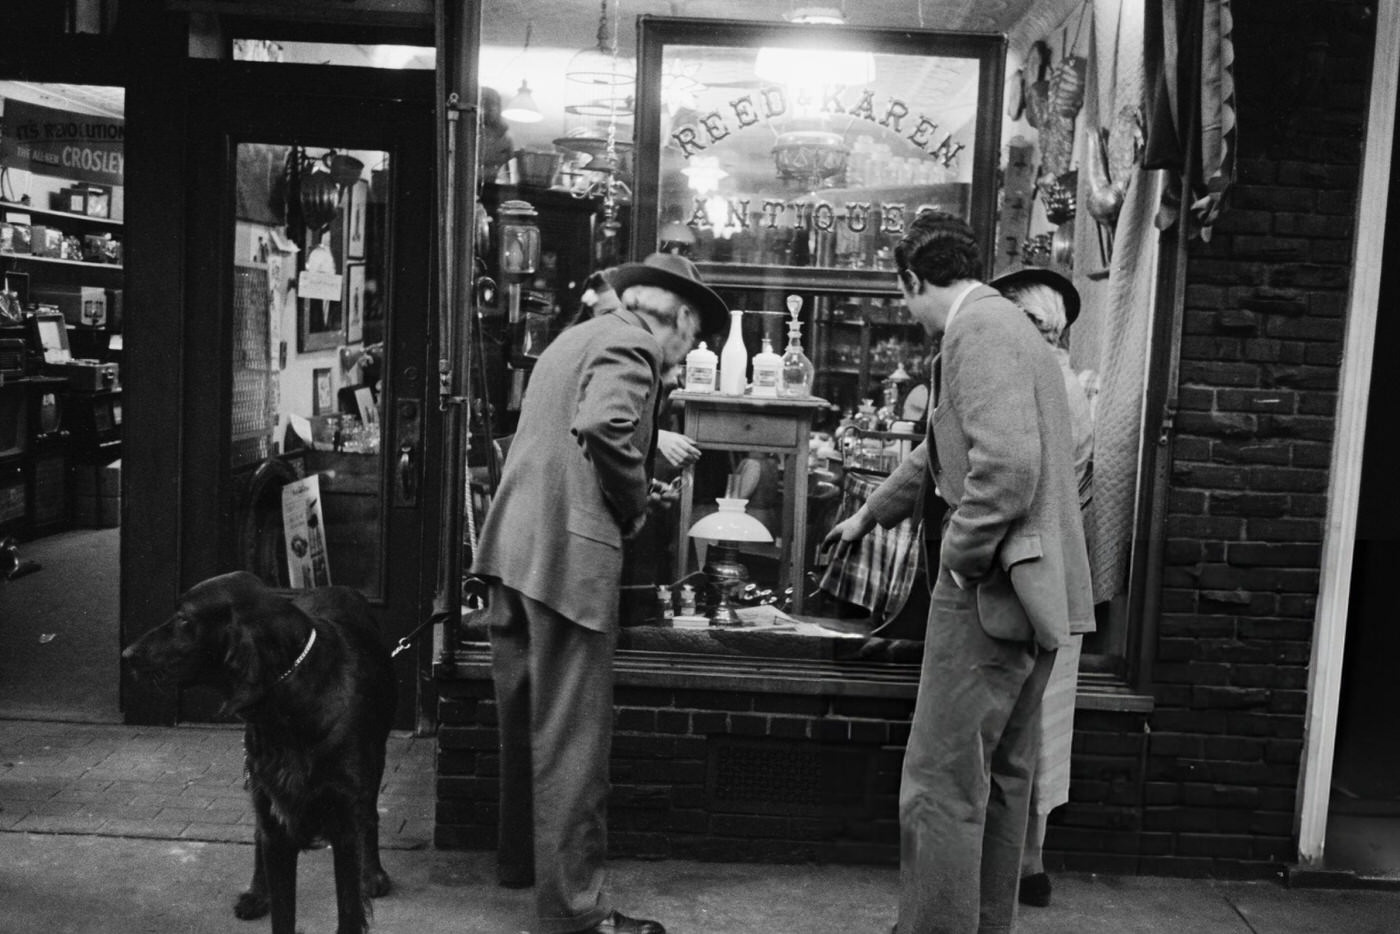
(879, 571)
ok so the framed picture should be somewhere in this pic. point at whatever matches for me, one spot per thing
(322, 399)
(320, 315)
(358, 399)
(354, 303)
(321, 325)
(804, 151)
(356, 197)
(368, 408)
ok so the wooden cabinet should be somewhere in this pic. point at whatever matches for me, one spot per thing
(34, 457)
(861, 340)
(548, 297)
(351, 506)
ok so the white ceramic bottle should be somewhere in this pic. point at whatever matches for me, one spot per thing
(734, 358)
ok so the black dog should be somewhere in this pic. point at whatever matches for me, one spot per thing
(311, 678)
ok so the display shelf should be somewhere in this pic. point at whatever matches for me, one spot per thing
(66, 215)
(858, 323)
(875, 282)
(31, 258)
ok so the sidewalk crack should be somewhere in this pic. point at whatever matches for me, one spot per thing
(1243, 917)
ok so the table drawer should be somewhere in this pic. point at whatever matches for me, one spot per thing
(744, 429)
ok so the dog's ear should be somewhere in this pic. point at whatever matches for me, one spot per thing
(263, 634)
(244, 664)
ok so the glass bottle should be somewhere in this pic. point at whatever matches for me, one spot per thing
(798, 371)
(734, 357)
(665, 610)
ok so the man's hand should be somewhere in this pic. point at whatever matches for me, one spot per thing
(848, 531)
(660, 497)
(663, 496)
(679, 451)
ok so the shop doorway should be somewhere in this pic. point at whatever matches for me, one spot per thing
(307, 416)
(1363, 823)
(62, 233)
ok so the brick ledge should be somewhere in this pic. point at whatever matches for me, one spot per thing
(635, 668)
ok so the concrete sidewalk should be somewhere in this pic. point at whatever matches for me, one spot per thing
(83, 884)
(181, 783)
(118, 830)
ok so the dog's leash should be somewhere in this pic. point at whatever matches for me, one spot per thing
(473, 596)
(407, 641)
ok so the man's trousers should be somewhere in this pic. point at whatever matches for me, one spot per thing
(965, 789)
(554, 698)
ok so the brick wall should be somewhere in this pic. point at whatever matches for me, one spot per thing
(775, 770)
(772, 775)
(1260, 352)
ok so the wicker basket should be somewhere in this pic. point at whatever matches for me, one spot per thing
(538, 166)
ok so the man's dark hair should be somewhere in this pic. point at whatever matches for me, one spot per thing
(939, 248)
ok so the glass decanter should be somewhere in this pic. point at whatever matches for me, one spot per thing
(798, 371)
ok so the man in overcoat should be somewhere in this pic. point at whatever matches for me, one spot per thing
(1012, 573)
(577, 484)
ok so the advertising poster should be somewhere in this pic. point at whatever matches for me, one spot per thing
(307, 562)
(58, 142)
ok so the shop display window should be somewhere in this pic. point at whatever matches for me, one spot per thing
(786, 152)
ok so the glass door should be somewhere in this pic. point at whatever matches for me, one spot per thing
(310, 438)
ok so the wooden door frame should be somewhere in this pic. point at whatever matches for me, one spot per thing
(176, 186)
(1348, 448)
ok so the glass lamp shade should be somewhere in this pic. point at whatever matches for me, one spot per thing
(522, 107)
(730, 524)
(723, 571)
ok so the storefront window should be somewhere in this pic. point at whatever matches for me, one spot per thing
(800, 148)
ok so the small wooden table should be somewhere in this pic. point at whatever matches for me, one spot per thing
(780, 426)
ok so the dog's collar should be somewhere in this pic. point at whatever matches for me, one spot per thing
(300, 658)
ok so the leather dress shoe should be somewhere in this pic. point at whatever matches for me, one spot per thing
(1035, 890)
(618, 923)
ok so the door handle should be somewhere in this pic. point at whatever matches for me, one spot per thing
(406, 476)
(408, 469)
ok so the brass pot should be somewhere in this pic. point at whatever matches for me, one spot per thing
(319, 198)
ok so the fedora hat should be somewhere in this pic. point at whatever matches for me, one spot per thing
(675, 273)
(1039, 275)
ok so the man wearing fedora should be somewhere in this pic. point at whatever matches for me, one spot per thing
(1012, 576)
(576, 485)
